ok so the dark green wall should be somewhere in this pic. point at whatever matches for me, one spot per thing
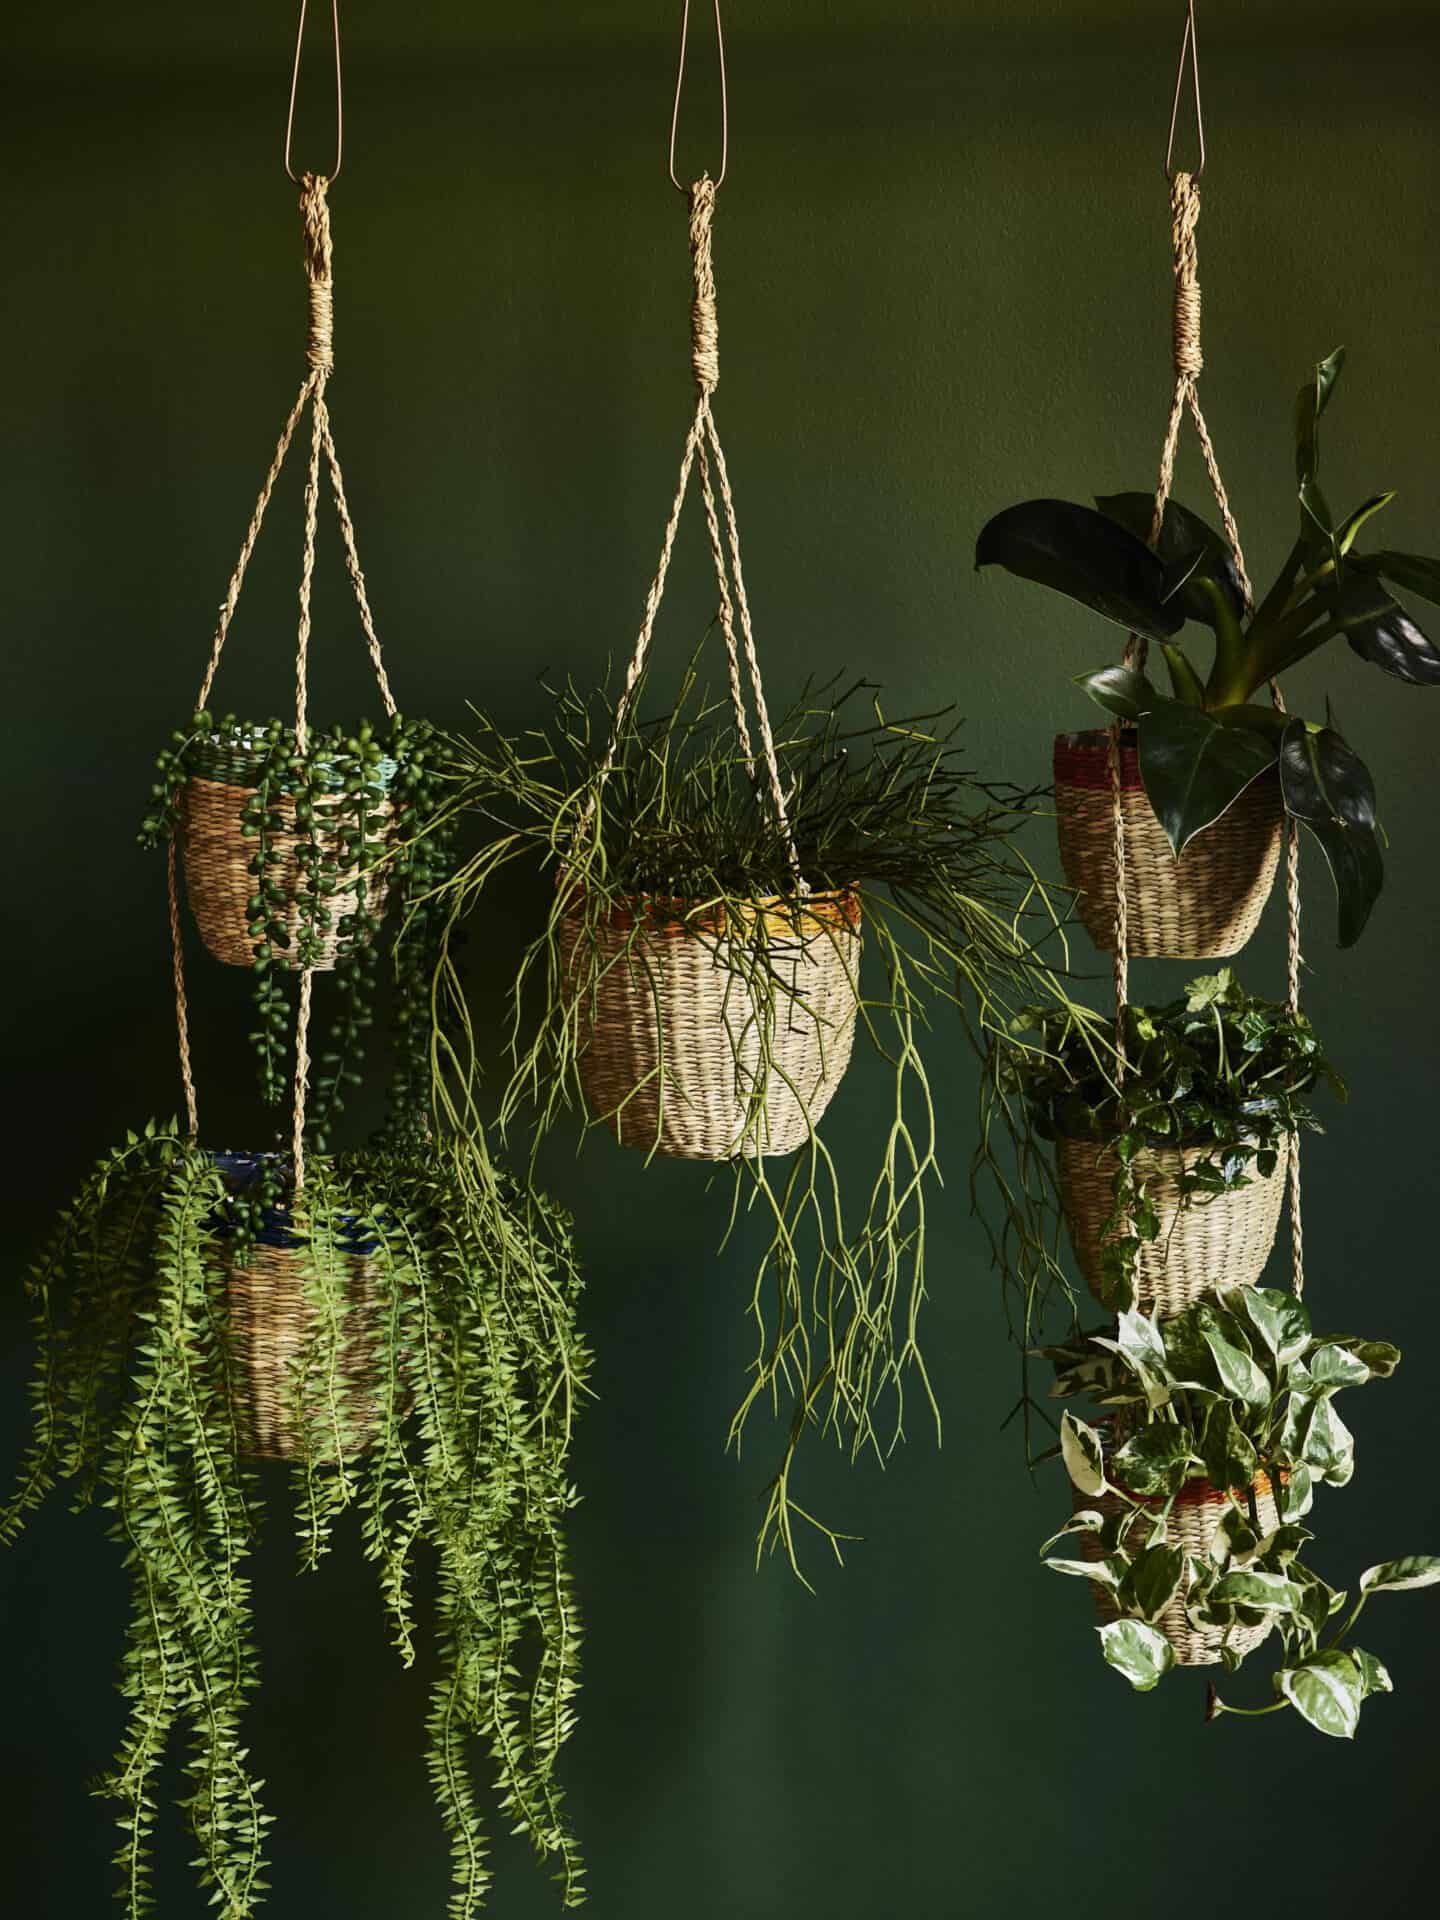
(943, 273)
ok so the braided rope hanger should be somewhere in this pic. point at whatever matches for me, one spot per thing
(702, 450)
(320, 358)
(1189, 363)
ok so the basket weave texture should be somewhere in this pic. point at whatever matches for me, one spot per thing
(220, 884)
(674, 1055)
(1203, 906)
(1190, 1525)
(270, 1322)
(1226, 1237)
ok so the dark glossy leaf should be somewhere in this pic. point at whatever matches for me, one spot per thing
(1352, 523)
(1413, 571)
(1185, 682)
(1194, 768)
(1123, 691)
(1329, 789)
(1082, 554)
(1310, 403)
(1182, 534)
(1380, 631)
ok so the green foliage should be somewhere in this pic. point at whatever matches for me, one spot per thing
(474, 1371)
(886, 808)
(326, 814)
(1218, 1069)
(1205, 742)
(1230, 1395)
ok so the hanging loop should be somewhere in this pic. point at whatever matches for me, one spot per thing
(1189, 50)
(724, 101)
(334, 172)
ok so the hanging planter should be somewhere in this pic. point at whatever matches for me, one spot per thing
(706, 1035)
(696, 989)
(1202, 904)
(1187, 1516)
(1171, 1177)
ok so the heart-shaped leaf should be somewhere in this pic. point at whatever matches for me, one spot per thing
(1328, 788)
(1266, 1592)
(1154, 1460)
(1373, 1677)
(1123, 691)
(1140, 1652)
(1194, 768)
(1327, 1690)
(1152, 1581)
(1333, 1366)
(1082, 1453)
(1086, 556)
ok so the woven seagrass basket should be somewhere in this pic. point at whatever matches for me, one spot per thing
(674, 1054)
(218, 858)
(270, 1322)
(1191, 1525)
(1203, 906)
(1226, 1237)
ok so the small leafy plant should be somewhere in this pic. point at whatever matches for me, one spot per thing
(1201, 745)
(475, 1363)
(1217, 1068)
(1231, 1395)
(325, 857)
(881, 809)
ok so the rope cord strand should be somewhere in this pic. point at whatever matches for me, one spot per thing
(1189, 362)
(702, 447)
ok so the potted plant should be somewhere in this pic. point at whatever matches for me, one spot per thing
(698, 978)
(1170, 1174)
(435, 1400)
(1188, 1514)
(1208, 768)
(290, 859)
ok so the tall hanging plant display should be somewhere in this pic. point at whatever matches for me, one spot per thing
(699, 983)
(398, 1324)
(1170, 1135)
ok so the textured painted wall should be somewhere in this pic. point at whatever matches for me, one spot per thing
(943, 264)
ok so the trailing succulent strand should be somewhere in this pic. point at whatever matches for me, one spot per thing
(436, 1400)
(323, 828)
(1232, 1395)
(674, 823)
(1217, 1069)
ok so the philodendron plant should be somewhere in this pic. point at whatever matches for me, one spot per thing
(1231, 1394)
(1202, 744)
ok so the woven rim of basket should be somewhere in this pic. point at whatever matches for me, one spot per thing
(233, 764)
(786, 914)
(1081, 760)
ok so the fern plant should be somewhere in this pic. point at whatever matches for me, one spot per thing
(453, 1434)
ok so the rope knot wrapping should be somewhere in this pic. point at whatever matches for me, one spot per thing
(1184, 218)
(704, 321)
(315, 211)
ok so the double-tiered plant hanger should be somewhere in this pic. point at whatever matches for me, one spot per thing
(1174, 1141)
(397, 1324)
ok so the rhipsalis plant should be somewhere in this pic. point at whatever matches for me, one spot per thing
(326, 860)
(1202, 744)
(1218, 1069)
(881, 812)
(1235, 1396)
(432, 1391)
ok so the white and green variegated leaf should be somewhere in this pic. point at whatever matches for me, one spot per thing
(1400, 1576)
(1100, 1571)
(1087, 1520)
(1234, 1541)
(1083, 1455)
(1139, 1651)
(1326, 1690)
(1329, 1445)
(1295, 1494)
(1279, 1318)
(1234, 1364)
(1154, 1579)
(1266, 1592)
(1332, 1367)
(1154, 1460)
(1373, 1677)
